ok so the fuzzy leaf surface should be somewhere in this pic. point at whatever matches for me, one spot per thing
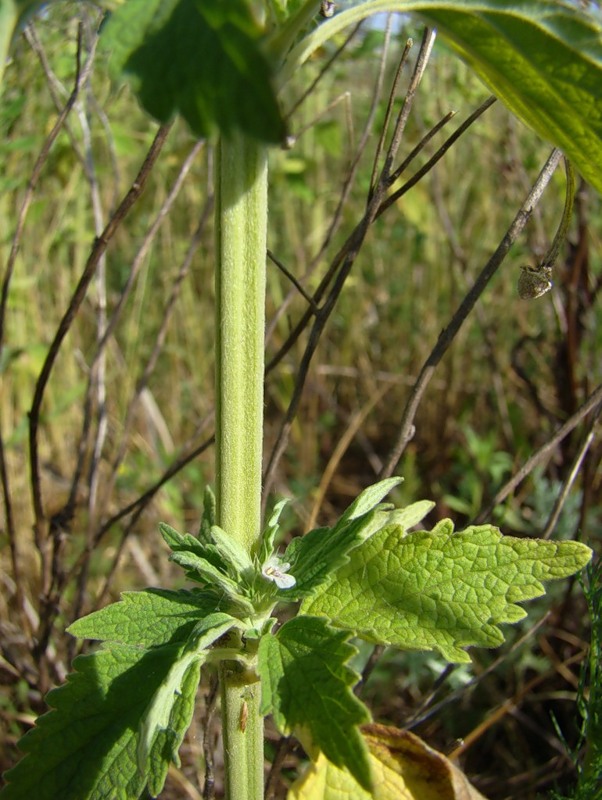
(232, 551)
(268, 535)
(146, 619)
(307, 687)
(441, 590)
(313, 557)
(187, 543)
(200, 58)
(85, 748)
(169, 713)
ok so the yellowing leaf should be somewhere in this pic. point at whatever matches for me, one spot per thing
(403, 768)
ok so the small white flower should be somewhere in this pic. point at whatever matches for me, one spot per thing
(275, 570)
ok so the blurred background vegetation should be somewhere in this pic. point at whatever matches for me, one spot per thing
(125, 429)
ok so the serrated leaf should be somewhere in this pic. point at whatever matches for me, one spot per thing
(404, 768)
(306, 686)
(178, 542)
(313, 557)
(441, 590)
(158, 717)
(86, 746)
(199, 58)
(146, 619)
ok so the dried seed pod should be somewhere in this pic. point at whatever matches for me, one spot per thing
(534, 281)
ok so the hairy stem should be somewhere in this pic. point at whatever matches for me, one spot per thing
(240, 328)
(241, 232)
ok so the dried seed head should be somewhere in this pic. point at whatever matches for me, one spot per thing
(534, 281)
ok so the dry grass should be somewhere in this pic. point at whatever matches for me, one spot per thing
(515, 372)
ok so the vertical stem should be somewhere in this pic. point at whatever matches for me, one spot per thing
(241, 217)
(8, 21)
(241, 238)
(242, 726)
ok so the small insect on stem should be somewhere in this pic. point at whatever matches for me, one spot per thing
(244, 716)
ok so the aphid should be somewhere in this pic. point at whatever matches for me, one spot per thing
(534, 281)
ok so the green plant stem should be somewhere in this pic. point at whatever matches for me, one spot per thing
(559, 239)
(242, 733)
(241, 234)
(240, 328)
(9, 16)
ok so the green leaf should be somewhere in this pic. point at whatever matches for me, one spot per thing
(174, 699)
(86, 747)
(411, 515)
(306, 686)
(217, 547)
(441, 590)
(146, 619)
(199, 569)
(313, 557)
(368, 499)
(542, 58)
(209, 518)
(167, 740)
(232, 551)
(187, 543)
(268, 535)
(199, 58)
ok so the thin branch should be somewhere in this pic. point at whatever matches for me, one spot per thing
(571, 477)
(322, 72)
(100, 245)
(129, 286)
(308, 298)
(590, 404)
(424, 54)
(436, 157)
(390, 104)
(426, 711)
(138, 505)
(406, 427)
(80, 77)
(335, 221)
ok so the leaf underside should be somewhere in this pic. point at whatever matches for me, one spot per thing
(200, 58)
(542, 59)
(441, 590)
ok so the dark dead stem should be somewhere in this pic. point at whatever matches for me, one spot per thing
(448, 334)
(41, 530)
